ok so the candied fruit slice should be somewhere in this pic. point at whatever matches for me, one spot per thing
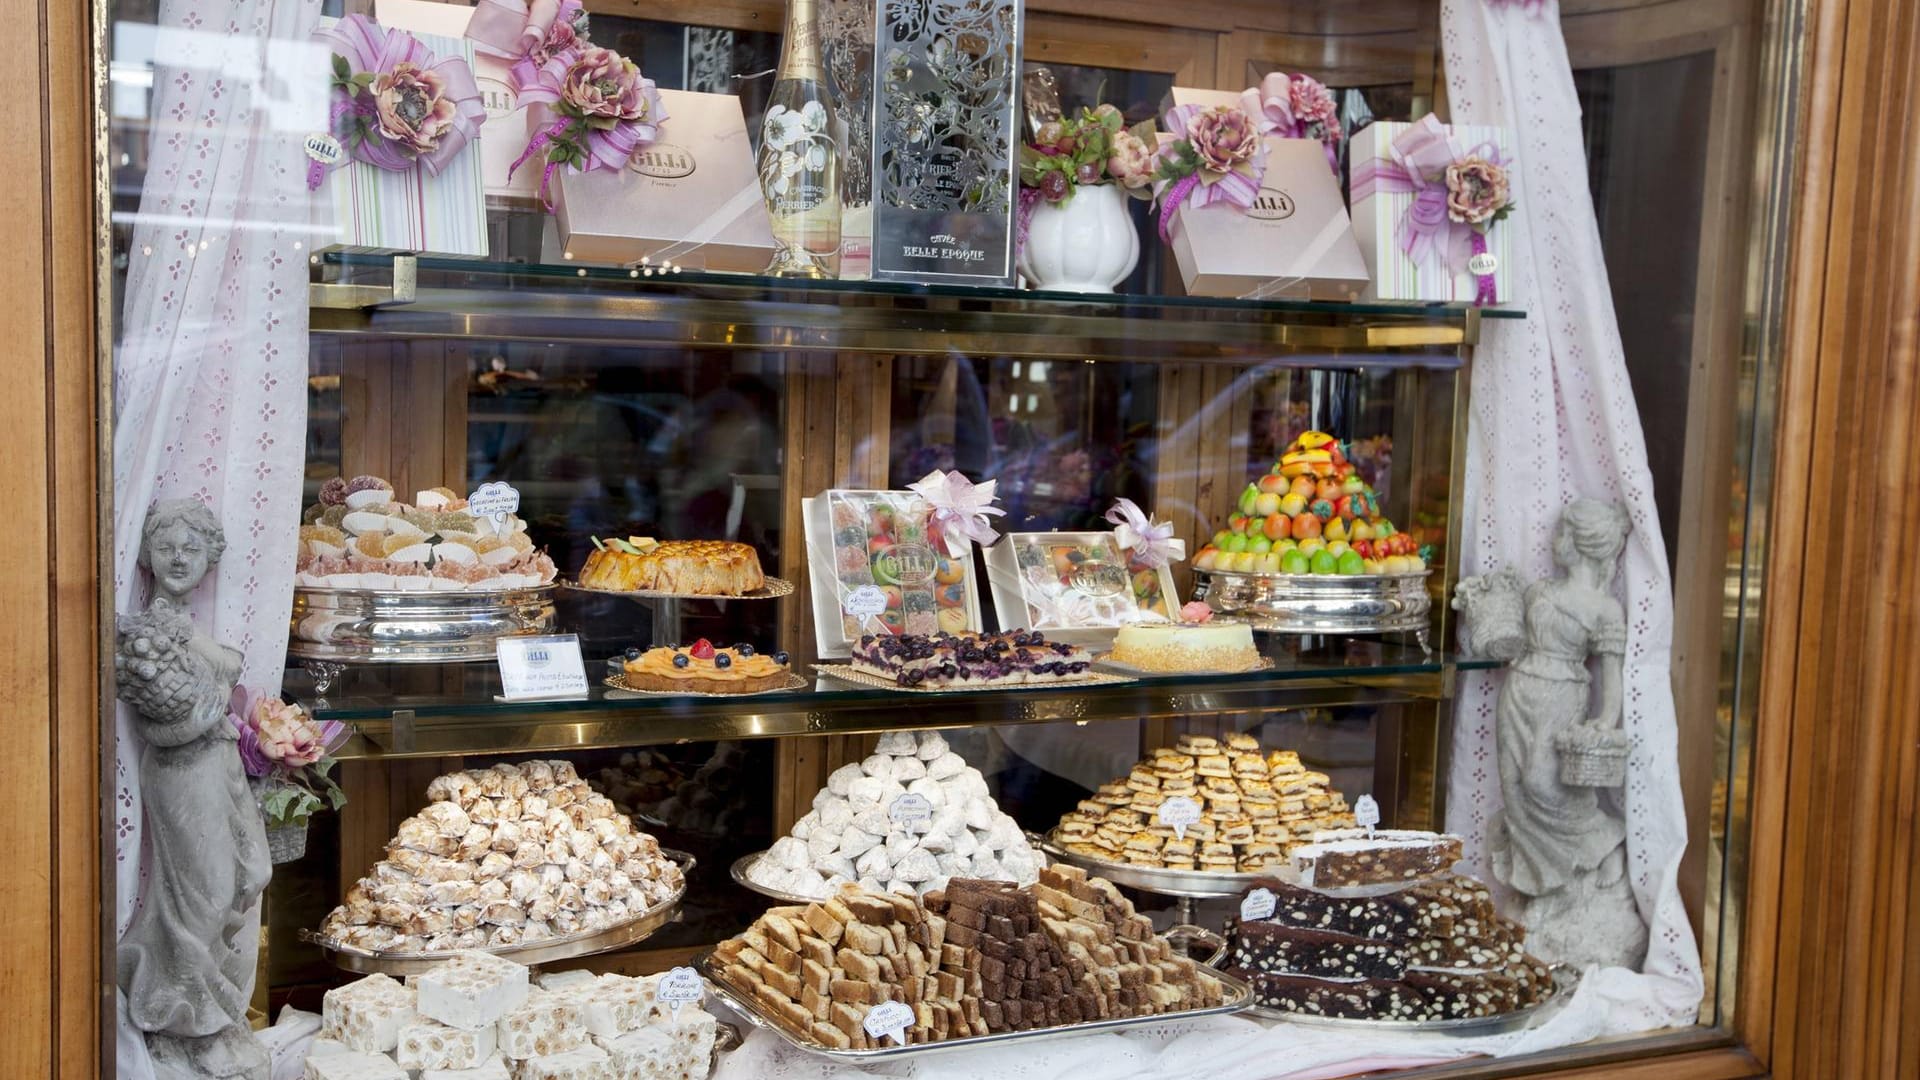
(334, 492)
(392, 543)
(365, 483)
(373, 545)
(324, 534)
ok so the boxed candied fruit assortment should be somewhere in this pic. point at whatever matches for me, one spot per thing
(881, 565)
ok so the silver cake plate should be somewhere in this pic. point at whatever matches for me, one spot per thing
(1237, 994)
(1188, 884)
(1321, 603)
(360, 626)
(1565, 979)
(552, 950)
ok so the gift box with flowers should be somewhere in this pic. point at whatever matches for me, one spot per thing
(397, 158)
(1429, 203)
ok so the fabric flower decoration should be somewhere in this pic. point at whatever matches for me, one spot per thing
(1216, 156)
(1222, 138)
(285, 748)
(1296, 107)
(1477, 190)
(597, 110)
(1131, 163)
(413, 109)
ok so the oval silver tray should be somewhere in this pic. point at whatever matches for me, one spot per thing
(738, 871)
(774, 589)
(1193, 884)
(1236, 998)
(552, 950)
(1564, 981)
(1321, 603)
(413, 627)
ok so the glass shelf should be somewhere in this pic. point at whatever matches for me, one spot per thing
(400, 296)
(460, 713)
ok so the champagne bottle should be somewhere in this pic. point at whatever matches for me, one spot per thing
(800, 157)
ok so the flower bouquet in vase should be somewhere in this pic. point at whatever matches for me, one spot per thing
(287, 755)
(1073, 231)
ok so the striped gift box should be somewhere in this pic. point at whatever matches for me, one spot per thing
(1379, 204)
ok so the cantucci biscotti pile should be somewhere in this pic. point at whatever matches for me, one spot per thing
(510, 855)
(976, 958)
(1253, 807)
(908, 818)
(479, 1017)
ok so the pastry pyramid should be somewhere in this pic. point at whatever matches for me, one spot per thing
(505, 856)
(860, 831)
(359, 536)
(1254, 807)
(1310, 514)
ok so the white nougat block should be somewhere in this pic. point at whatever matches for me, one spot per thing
(353, 1065)
(323, 1047)
(697, 1031)
(649, 1052)
(431, 1045)
(565, 980)
(494, 1068)
(545, 1024)
(367, 1015)
(587, 1062)
(613, 1004)
(472, 991)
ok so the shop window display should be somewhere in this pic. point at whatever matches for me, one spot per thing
(1121, 663)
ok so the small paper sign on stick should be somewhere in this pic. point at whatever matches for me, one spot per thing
(680, 987)
(1366, 812)
(1257, 905)
(865, 602)
(889, 1019)
(494, 500)
(1177, 813)
(910, 809)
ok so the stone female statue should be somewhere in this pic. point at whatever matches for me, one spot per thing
(1559, 839)
(186, 964)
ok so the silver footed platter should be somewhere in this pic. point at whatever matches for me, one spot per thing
(1320, 603)
(533, 954)
(1189, 884)
(1236, 998)
(744, 864)
(359, 626)
(1564, 981)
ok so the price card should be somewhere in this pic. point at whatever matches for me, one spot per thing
(1257, 905)
(680, 987)
(541, 667)
(911, 809)
(889, 1019)
(866, 602)
(494, 500)
(1179, 812)
(1366, 812)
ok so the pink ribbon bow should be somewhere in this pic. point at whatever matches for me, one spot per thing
(1271, 104)
(1239, 186)
(1150, 541)
(960, 509)
(1420, 156)
(367, 47)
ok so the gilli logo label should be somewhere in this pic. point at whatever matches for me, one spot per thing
(905, 564)
(663, 161)
(1271, 205)
(1095, 578)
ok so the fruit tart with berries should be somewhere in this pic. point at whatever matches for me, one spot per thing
(703, 668)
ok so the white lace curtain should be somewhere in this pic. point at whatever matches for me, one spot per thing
(210, 373)
(1554, 420)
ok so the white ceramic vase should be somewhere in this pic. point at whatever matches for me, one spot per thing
(1087, 244)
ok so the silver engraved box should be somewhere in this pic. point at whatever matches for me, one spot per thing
(946, 79)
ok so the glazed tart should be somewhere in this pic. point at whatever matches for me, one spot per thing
(703, 669)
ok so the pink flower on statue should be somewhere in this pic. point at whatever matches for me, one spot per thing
(413, 109)
(1131, 162)
(1477, 190)
(288, 735)
(1313, 104)
(605, 87)
(1222, 137)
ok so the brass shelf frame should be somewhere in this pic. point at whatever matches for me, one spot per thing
(545, 727)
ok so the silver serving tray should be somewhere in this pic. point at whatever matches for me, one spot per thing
(774, 589)
(414, 627)
(1193, 884)
(550, 951)
(1564, 981)
(1236, 998)
(744, 863)
(1321, 603)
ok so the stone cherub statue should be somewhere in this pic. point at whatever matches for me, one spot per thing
(186, 964)
(1559, 840)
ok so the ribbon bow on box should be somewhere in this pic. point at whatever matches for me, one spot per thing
(395, 104)
(960, 509)
(1296, 107)
(541, 38)
(1217, 156)
(1457, 196)
(1150, 541)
